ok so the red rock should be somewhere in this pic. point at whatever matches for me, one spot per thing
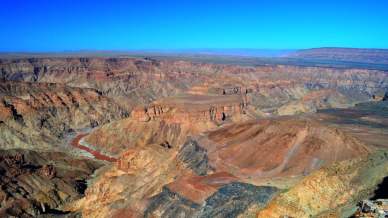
(48, 171)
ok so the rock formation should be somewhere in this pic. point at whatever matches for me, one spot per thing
(194, 157)
(171, 120)
(40, 183)
(331, 190)
(138, 175)
(377, 208)
(247, 149)
(170, 204)
(192, 108)
(134, 81)
(35, 115)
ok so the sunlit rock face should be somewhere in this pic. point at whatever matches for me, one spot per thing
(168, 120)
(269, 148)
(39, 115)
(40, 183)
(134, 81)
(333, 191)
(192, 108)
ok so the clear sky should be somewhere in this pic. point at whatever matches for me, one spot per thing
(58, 25)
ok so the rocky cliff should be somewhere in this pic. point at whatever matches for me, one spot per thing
(124, 188)
(40, 183)
(193, 108)
(39, 115)
(146, 80)
(168, 120)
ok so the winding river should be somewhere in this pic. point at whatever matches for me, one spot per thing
(75, 142)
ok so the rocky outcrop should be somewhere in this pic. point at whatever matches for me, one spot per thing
(138, 175)
(47, 171)
(40, 115)
(314, 100)
(247, 149)
(367, 208)
(194, 157)
(135, 134)
(168, 120)
(240, 195)
(40, 183)
(334, 190)
(133, 81)
(192, 108)
(165, 200)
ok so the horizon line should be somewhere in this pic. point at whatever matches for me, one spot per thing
(184, 49)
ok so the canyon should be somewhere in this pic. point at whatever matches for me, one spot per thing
(160, 137)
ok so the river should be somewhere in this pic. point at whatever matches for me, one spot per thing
(75, 142)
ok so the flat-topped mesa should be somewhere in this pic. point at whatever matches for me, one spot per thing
(192, 108)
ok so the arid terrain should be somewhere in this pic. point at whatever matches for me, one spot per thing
(159, 136)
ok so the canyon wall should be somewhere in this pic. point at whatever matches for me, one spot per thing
(146, 80)
(40, 115)
(192, 108)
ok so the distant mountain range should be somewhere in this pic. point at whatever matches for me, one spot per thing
(318, 57)
(375, 56)
(160, 52)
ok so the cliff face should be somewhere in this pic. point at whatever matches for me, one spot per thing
(193, 108)
(35, 115)
(168, 120)
(144, 80)
(116, 137)
(40, 183)
(125, 187)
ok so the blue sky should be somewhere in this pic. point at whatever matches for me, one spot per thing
(58, 25)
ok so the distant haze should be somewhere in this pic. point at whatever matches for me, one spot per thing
(229, 52)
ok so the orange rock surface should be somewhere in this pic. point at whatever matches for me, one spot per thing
(278, 147)
(192, 108)
(198, 188)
